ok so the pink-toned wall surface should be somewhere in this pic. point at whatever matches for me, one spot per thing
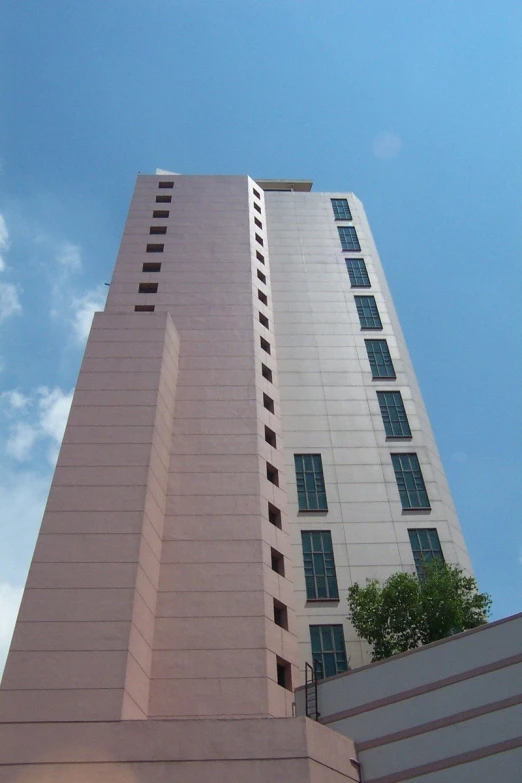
(280, 750)
(151, 592)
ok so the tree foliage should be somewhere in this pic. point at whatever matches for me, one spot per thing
(406, 612)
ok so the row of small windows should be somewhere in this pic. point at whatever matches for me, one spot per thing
(311, 490)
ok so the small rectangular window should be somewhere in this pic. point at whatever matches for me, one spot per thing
(266, 372)
(163, 199)
(425, 545)
(261, 276)
(257, 207)
(155, 248)
(151, 266)
(368, 313)
(260, 257)
(158, 230)
(265, 345)
(358, 273)
(319, 566)
(284, 674)
(311, 491)
(410, 482)
(380, 359)
(280, 614)
(144, 308)
(328, 650)
(341, 209)
(148, 288)
(270, 437)
(278, 562)
(160, 213)
(393, 414)
(349, 239)
(274, 516)
(262, 297)
(165, 184)
(256, 193)
(258, 223)
(268, 403)
(258, 239)
(263, 320)
(272, 474)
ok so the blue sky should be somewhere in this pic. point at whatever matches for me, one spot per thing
(415, 106)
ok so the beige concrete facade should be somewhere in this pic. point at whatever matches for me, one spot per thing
(161, 592)
(449, 712)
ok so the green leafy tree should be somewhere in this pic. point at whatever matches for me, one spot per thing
(406, 612)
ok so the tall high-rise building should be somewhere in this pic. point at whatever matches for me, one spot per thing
(247, 439)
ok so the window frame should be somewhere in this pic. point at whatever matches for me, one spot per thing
(394, 415)
(319, 566)
(354, 272)
(337, 649)
(387, 361)
(352, 245)
(304, 491)
(418, 491)
(341, 209)
(368, 312)
(423, 555)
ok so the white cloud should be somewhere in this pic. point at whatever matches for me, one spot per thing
(54, 408)
(43, 417)
(10, 597)
(21, 441)
(82, 311)
(69, 257)
(9, 302)
(4, 241)
(15, 400)
(387, 145)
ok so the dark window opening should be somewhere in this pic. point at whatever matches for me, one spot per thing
(266, 372)
(270, 437)
(262, 297)
(280, 614)
(264, 320)
(274, 516)
(158, 230)
(259, 257)
(144, 308)
(272, 474)
(277, 562)
(284, 674)
(261, 276)
(163, 199)
(257, 207)
(160, 213)
(165, 184)
(155, 248)
(256, 193)
(265, 345)
(148, 288)
(258, 223)
(258, 239)
(268, 403)
(151, 266)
